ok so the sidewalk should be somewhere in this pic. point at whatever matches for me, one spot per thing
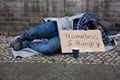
(89, 66)
(58, 71)
(110, 57)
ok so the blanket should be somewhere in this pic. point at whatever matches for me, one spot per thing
(28, 52)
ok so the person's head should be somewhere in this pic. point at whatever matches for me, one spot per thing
(106, 25)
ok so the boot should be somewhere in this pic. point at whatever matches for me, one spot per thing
(16, 44)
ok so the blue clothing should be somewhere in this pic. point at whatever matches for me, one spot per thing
(46, 30)
(45, 47)
(42, 31)
(84, 24)
(49, 31)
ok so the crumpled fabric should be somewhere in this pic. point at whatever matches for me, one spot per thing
(28, 52)
(63, 24)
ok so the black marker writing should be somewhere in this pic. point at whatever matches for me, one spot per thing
(69, 43)
(80, 36)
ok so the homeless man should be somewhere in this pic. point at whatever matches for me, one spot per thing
(50, 30)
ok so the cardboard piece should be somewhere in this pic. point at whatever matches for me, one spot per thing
(86, 41)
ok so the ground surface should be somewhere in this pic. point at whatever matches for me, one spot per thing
(58, 71)
(110, 57)
(89, 66)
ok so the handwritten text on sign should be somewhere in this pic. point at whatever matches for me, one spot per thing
(86, 41)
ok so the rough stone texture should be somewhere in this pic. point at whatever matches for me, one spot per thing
(90, 72)
(111, 57)
(18, 15)
(57, 71)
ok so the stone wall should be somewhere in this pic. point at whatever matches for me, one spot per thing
(18, 15)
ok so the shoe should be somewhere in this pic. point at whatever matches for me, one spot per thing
(16, 44)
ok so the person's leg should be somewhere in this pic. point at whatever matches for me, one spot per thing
(46, 47)
(46, 30)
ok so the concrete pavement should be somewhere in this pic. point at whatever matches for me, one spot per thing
(58, 71)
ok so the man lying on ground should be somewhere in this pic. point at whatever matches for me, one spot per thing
(49, 29)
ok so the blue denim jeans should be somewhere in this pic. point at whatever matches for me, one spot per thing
(49, 31)
(46, 30)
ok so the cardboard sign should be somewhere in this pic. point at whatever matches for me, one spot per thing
(86, 41)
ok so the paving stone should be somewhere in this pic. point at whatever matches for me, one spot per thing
(111, 57)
